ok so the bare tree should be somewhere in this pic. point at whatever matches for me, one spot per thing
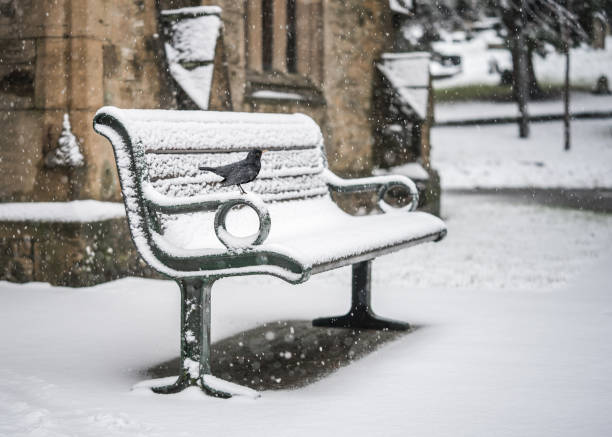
(528, 23)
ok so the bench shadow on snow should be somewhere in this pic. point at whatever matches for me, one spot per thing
(285, 354)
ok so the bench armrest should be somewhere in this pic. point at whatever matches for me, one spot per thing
(381, 184)
(209, 202)
(222, 203)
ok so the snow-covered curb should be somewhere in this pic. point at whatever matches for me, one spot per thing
(581, 103)
(77, 211)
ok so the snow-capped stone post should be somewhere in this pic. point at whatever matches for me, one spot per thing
(68, 153)
(67, 156)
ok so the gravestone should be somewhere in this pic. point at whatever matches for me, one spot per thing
(600, 29)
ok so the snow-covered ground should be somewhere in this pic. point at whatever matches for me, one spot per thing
(514, 310)
(493, 156)
(580, 102)
(586, 65)
(475, 60)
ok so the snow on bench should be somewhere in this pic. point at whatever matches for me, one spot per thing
(286, 226)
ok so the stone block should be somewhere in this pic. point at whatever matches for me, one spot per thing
(69, 254)
(86, 73)
(16, 86)
(86, 19)
(51, 77)
(17, 51)
(22, 133)
(17, 73)
(22, 19)
(33, 18)
(54, 17)
(16, 258)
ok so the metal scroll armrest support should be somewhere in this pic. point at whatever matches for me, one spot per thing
(381, 184)
(223, 203)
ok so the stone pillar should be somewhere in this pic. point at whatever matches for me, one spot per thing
(254, 35)
(309, 31)
(349, 74)
(279, 57)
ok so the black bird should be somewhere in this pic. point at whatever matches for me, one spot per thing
(240, 172)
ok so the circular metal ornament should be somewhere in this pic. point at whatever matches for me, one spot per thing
(411, 206)
(235, 242)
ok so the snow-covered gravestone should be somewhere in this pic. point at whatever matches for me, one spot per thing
(68, 153)
(600, 29)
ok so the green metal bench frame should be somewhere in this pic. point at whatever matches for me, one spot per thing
(196, 275)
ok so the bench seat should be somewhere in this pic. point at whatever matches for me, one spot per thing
(314, 231)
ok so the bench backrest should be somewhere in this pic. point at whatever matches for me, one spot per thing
(171, 145)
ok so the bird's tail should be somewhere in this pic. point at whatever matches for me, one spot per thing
(211, 169)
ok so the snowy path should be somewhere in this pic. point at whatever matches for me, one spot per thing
(478, 110)
(494, 157)
(513, 341)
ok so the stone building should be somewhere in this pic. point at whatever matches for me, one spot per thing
(71, 57)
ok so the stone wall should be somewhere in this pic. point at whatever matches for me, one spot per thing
(75, 56)
(70, 254)
(71, 56)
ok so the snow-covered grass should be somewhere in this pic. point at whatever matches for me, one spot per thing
(491, 357)
(498, 243)
(586, 66)
(493, 156)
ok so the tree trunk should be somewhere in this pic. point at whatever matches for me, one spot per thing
(566, 117)
(522, 84)
(566, 94)
(515, 24)
(534, 89)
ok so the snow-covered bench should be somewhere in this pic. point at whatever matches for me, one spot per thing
(177, 213)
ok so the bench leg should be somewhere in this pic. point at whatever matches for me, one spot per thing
(195, 338)
(361, 316)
